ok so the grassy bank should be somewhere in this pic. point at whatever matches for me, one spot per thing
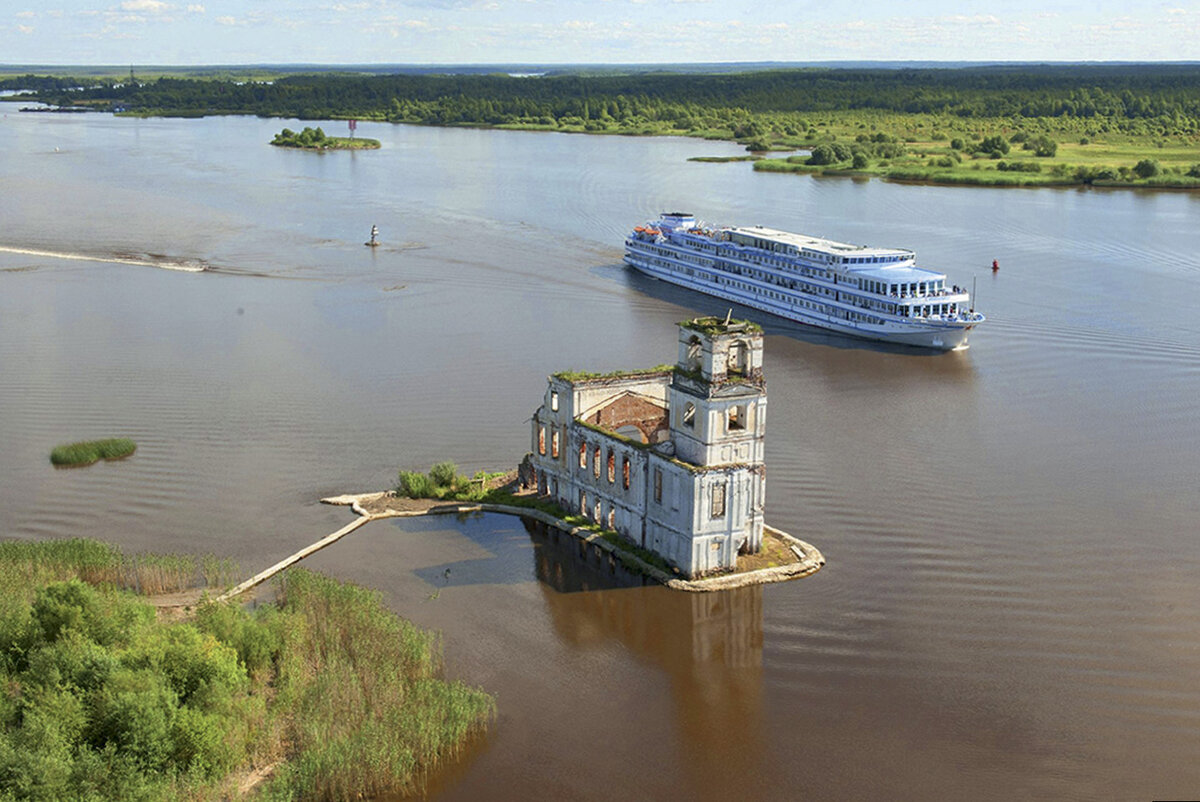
(99, 699)
(91, 451)
(999, 152)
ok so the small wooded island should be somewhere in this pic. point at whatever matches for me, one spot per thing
(316, 139)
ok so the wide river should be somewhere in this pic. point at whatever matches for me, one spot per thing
(1010, 609)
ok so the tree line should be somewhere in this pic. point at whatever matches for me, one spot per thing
(744, 105)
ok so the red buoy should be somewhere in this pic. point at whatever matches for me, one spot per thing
(995, 265)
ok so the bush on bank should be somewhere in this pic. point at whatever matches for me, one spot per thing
(99, 699)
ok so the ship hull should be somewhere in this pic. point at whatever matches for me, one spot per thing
(936, 335)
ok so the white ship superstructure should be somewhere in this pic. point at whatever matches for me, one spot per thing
(876, 293)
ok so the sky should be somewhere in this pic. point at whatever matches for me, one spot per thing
(200, 32)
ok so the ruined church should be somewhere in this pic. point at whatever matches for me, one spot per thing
(671, 458)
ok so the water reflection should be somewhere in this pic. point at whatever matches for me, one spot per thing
(709, 645)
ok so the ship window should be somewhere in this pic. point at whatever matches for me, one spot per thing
(554, 400)
(689, 415)
(718, 500)
(554, 444)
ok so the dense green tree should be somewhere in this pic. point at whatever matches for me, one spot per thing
(1147, 168)
(994, 146)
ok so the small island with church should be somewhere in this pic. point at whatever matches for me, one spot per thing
(661, 469)
(317, 139)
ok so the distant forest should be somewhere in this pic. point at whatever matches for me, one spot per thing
(1135, 98)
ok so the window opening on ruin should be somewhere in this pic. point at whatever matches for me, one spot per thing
(693, 354)
(625, 472)
(554, 444)
(612, 467)
(739, 358)
(689, 415)
(596, 513)
(583, 455)
(554, 400)
(612, 518)
(596, 462)
(718, 500)
(542, 440)
(583, 502)
(737, 418)
(658, 485)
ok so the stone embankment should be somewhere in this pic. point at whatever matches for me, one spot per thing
(808, 559)
(377, 506)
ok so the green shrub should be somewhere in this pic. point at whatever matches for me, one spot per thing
(99, 700)
(1147, 168)
(443, 474)
(1041, 146)
(90, 451)
(1019, 167)
(993, 146)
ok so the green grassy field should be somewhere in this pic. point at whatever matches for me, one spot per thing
(1083, 155)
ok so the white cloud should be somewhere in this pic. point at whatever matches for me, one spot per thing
(25, 28)
(227, 21)
(26, 14)
(195, 8)
(153, 6)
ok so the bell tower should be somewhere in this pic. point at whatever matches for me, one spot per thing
(718, 397)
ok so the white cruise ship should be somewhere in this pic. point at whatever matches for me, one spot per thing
(876, 293)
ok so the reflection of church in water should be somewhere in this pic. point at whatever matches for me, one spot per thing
(709, 646)
(725, 627)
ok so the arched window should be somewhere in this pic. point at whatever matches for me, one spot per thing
(689, 415)
(737, 418)
(693, 353)
(739, 358)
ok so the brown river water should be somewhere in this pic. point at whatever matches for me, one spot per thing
(1010, 607)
